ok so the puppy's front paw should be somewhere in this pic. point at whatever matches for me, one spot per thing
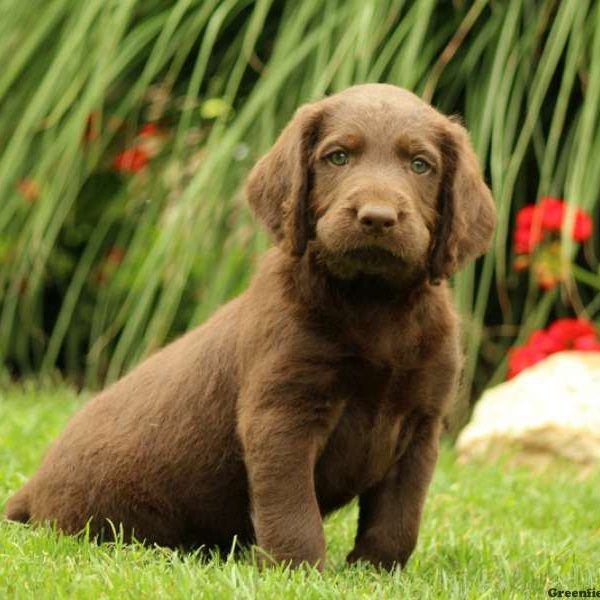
(275, 549)
(379, 552)
(265, 559)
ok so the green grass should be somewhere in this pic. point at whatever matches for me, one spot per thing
(489, 531)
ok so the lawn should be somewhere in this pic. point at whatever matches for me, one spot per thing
(489, 531)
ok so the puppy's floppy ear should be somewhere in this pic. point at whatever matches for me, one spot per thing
(279, 185)
(466, 207)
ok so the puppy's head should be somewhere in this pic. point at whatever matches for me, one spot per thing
(379, 183)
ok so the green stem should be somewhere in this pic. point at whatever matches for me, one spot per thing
(584, 276)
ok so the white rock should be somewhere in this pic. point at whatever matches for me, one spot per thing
(551, 410)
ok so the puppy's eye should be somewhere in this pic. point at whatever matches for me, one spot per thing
(339, 158)
(420, 166)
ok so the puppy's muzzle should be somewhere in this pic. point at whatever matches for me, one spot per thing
(377, 219)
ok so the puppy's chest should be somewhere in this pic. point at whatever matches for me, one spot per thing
(379, 343)
(370, 436)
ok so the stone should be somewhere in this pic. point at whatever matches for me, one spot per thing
(549, 411)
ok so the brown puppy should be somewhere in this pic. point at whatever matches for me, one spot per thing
(326, 380)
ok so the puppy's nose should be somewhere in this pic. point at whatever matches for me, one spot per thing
(377, 218)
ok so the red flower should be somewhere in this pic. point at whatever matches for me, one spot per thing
(148, 130)
(520, 359)
(547, 282)
(553, 212)
(29, 189)
(563, 334)
(582, 228)
(543, 342)
(566, 331)
(115, 255)
(525, 216)
(587, 343)
(534, 220)
(527, 239)
(521, 263)
(132, 160)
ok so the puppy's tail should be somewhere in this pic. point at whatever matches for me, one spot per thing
(17, 508)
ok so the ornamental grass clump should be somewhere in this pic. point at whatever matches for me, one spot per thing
(132, 125)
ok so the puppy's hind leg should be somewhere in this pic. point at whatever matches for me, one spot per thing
(17, 508)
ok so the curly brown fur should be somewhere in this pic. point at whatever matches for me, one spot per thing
(326, 380)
